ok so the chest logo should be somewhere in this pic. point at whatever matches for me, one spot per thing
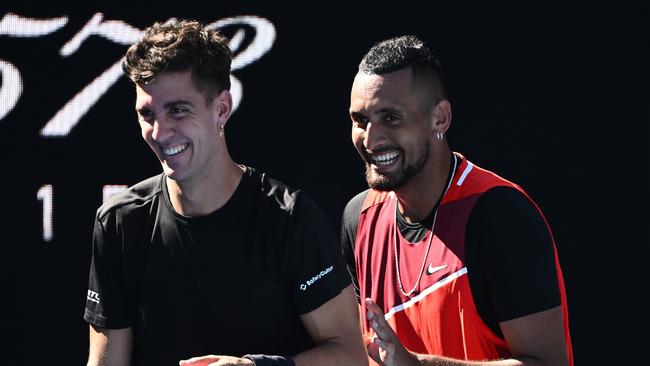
(431, 269)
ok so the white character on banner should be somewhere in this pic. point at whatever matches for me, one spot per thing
(118, 32)
(16, 26)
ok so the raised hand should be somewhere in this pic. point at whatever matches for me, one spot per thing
(391, 350)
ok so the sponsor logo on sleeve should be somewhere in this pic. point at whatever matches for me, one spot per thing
(93, 296)
(316, 278)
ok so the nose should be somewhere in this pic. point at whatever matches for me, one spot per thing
(162, 129)
(373, 136)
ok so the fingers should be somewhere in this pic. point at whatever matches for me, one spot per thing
(387, 351)
(377, 321)
(373, 310)
(199, 361)
(387, 346)
(372, 306)
(213, 360)
(382, 329)
(391, 350)
(373, 350)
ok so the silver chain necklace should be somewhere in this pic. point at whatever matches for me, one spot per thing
(426, 254)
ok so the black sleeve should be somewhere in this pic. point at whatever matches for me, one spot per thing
(316, 268)
(106, 299)
(510, 256)
(349, 223)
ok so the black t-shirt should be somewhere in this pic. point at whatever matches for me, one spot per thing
(232, 282)
(509, 254)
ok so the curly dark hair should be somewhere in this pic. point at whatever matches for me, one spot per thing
(177, 46)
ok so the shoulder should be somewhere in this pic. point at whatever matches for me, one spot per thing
(353, 208)
(276, 195)
(137, 196)
(505, 217)
(474, 179)
(510, 199)
(350, 221)
(504, 196)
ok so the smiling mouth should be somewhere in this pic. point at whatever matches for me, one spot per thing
(383, 159)
(174, 150)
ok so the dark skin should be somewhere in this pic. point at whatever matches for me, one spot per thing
(393, 129)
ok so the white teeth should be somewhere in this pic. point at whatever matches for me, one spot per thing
(171, 151)
(386, 158)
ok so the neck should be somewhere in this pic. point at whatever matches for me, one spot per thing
(207, 193)
(419, 196)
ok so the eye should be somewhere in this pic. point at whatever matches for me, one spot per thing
(178, 110)
(392, 119)
(145, 115)
(359, 120)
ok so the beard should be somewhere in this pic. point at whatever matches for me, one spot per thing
(398, 178)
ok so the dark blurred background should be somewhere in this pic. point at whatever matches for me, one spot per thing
(551, 96)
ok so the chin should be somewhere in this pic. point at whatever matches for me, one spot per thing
(382, 183)
(383, 186)
(171, 173)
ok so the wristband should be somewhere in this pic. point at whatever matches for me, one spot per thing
(266, 360)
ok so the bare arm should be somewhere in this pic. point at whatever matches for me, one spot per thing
(535, 340)
(334, 328)
(110, 347)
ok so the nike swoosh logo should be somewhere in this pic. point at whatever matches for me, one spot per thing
(431, 269)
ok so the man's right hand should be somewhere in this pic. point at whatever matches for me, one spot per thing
(390, 350)
(214, 360)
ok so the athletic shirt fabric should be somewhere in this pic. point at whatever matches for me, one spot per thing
(229, 283)
(476, 273)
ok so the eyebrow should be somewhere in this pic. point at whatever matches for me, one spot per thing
(389, 110)
(379, 111)
(175, 103)
(168, 105)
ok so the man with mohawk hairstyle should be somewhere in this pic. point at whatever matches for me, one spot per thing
(453, 264)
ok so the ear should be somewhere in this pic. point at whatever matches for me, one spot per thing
(222, 107)
(441, 117)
